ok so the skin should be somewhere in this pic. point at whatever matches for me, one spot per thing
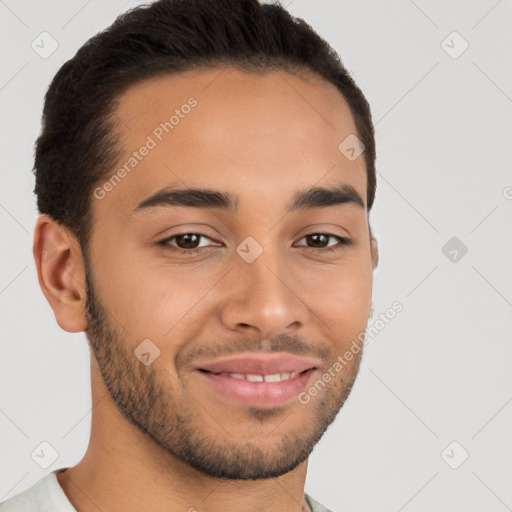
(261, 138)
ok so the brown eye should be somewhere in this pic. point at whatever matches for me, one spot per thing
(320, 242)
(186, 242)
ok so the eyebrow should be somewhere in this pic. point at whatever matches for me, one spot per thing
(315, 197)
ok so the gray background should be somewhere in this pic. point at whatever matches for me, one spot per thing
(437, 373)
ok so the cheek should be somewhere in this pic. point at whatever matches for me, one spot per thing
(150, 300)
(343, 300)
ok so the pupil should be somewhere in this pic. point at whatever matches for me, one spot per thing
(315, 237)
(188, 243)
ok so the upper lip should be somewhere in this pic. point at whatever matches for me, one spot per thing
(259, 364)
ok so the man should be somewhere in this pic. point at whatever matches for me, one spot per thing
(204, 176)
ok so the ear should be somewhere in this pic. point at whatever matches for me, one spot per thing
(374, 251)
(61, 273)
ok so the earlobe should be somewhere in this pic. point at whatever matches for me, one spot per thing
(60, 272)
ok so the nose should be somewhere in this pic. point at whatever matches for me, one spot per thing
(263, 298)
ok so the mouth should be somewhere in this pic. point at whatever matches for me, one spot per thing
(251, 377)
(263, 390)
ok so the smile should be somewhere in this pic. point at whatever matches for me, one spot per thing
(255, 390)
(276, 377)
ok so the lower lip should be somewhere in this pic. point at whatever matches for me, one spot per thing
(258, 394)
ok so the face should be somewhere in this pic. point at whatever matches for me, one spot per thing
(210, 313)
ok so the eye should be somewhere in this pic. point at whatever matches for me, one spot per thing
(321, 239)
(185, 242)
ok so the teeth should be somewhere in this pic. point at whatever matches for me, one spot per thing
(254, 378)
(275, 377)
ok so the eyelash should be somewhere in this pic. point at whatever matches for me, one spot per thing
(343, 242)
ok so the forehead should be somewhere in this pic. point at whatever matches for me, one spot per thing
(265, 133)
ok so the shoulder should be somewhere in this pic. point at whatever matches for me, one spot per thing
(315, 505)
(45, 495)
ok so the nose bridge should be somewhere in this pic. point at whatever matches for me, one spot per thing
(261, 293)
